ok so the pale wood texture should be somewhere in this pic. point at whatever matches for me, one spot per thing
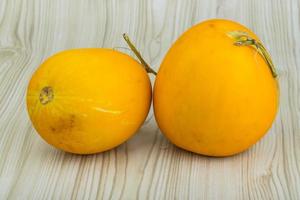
(147, 166)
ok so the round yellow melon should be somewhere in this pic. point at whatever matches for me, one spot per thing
(216, 91)
(88, 100)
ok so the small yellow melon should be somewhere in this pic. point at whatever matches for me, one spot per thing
(216, 91)
(88, 100)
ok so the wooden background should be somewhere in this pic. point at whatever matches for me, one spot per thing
(147, 166)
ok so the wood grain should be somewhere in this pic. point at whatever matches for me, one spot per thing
(147, 166)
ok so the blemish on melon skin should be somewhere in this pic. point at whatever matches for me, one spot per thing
(211, 25)
(64, 124)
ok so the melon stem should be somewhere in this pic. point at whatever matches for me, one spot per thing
(243, 39)
(138, 55)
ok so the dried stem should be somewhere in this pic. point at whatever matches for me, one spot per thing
(243, 39)
(138, 55)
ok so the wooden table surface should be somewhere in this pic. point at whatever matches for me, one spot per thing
(147, 166)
